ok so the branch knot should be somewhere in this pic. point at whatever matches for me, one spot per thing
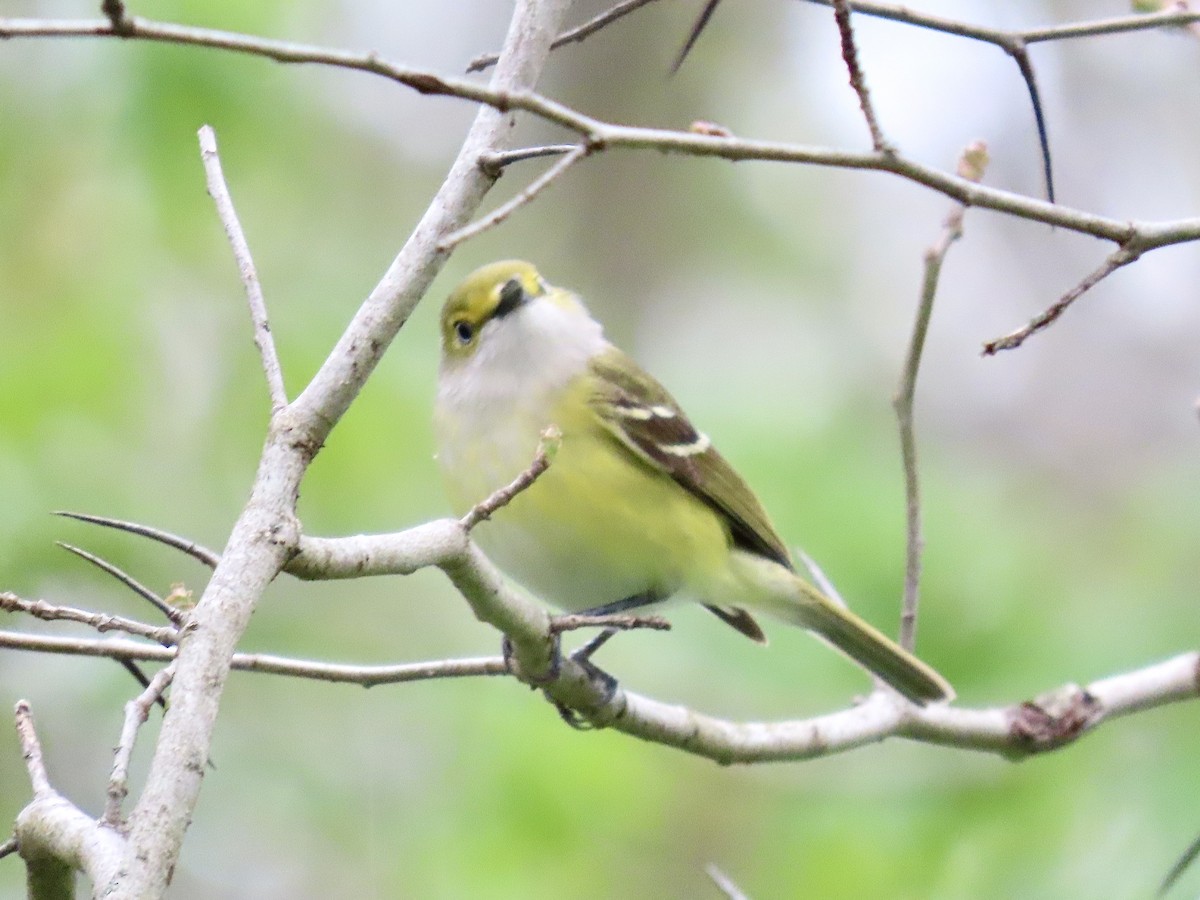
(1054, 720)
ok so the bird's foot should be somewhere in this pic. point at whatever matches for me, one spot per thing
(542, 679)
(597, 676)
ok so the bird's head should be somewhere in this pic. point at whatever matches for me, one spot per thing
(487, 296)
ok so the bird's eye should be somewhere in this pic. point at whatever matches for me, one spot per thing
(464, 331)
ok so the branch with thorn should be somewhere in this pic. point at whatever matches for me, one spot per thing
(600, 136)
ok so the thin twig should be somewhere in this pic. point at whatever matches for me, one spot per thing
(369, 676)
(724, 883)
(139, 676)
(899, 12)
(841, 14)
(1181, 865)
(578, 33)
(621, 621)
(547, 447)
(219, 191)
(40, 609)
(826, 586)
(1122, 256)
(31, 750)
(1179, 17)
(264, 663)
(47, 829)
(191, 548)
(137, 711)
(102, 648)
(129, 581)
(821, 580)
(502, 212)
(971, 165)
(9, 847)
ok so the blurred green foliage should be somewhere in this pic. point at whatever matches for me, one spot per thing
(1060, 481)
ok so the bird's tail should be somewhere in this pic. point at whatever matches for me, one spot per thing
(876, 652)
(784, 595)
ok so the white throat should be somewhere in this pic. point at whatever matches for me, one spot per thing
(495, 403)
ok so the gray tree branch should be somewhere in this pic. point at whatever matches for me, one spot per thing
(266, 532)
(602, 136)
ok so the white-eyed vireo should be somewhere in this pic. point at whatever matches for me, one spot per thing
(637, 506)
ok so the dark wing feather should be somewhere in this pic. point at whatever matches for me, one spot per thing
(738, 618)
(645, 418)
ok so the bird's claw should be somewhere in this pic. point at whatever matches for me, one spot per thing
(542, 679)
(608, 684)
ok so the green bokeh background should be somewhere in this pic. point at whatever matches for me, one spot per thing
(1061, 498)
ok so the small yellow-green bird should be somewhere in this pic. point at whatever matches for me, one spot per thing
(637, 506)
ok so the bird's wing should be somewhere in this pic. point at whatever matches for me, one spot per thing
(645, 419)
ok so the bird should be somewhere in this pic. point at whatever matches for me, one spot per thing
(637, 507)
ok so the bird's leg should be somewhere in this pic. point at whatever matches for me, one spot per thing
(637, 601)
(583, 656)
(607, 682)
(584, 653)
